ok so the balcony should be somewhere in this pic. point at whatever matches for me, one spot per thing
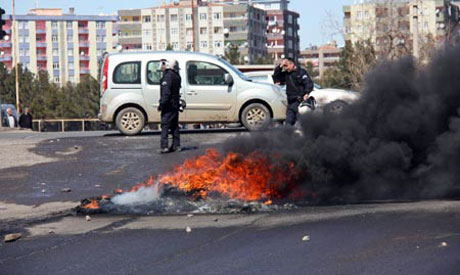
(40, 31)
(83, 30)
(41, 57)
(5, 44)
(83, 44)
(84, 70)
(41, 44)
(84, 57)
(5, 58)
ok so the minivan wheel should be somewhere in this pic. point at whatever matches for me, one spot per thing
(130, 121)
(255, 117)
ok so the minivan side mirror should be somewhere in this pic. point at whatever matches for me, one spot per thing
(228, 79)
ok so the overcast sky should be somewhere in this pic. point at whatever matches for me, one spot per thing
(315, 15)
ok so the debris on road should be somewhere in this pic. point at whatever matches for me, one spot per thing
(12, 237)
(75, 147)
(66, 190)
(216, 220)
(97, 185)
(88, 218)
(306, 238)
(189, 216)
(42, 184)
(188, 229)
(51, 231)
(443, 244)
(43, 190)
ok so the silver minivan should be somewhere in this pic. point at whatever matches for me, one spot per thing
(213, 89)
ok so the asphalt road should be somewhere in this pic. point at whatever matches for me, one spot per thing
(387, 238)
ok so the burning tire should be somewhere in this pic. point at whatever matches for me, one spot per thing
(130, 121)
(255, 117)
(335, 107)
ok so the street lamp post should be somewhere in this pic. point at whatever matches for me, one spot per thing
(15, 57)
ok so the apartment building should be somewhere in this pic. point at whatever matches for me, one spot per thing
(282, 31)
(68, 46)
(322, 57)
(184, 25)
(194, 26)
(392, 24)
(245, 26)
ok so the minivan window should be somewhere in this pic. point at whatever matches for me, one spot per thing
(204, 73)
(127, 73)
(154, 72)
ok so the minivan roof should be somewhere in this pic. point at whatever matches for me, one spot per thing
(176, 54)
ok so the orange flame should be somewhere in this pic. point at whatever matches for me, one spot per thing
(235, 176)
(92, 205)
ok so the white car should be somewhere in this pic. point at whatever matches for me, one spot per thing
(329, 100)
(215, 92)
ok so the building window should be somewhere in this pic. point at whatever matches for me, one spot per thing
(173, 17)
(55, 65)
(217, 30)
(161, 18)
(148, 47)
(366, 14)
(232, 15)
(54, 24)
(98, 38)
(54, 38)
(189, 46)
(203, 16)
(100, 25)
(217, 15)
(147, 19)
(127, 73)
(290, 19)
(218, 44)
(136, 18)
(71, 66)
(233, 29)
(147, 32)
(57, 79)
(204, 44)
(70, 52)
(69, 38)
(359, 14)
(203, 30)
(21, 52)
(174, 31)
(188, 17)
(204, 73)
(69, 24)
(175, 45)
(189, 31)
(71, 78)
(55, 52)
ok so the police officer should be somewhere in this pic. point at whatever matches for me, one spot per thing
(169, 105)
(298, 88)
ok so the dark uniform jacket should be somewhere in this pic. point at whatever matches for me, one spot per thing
(298, 84)
(170, 88)
(25, 121)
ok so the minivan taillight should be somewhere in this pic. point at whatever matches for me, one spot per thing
(105, 75)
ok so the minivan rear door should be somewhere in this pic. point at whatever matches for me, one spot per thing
(207, 95)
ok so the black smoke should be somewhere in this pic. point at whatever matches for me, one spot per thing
(400, 140)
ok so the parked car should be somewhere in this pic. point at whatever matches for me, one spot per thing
(327, 99)
(213, 89)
